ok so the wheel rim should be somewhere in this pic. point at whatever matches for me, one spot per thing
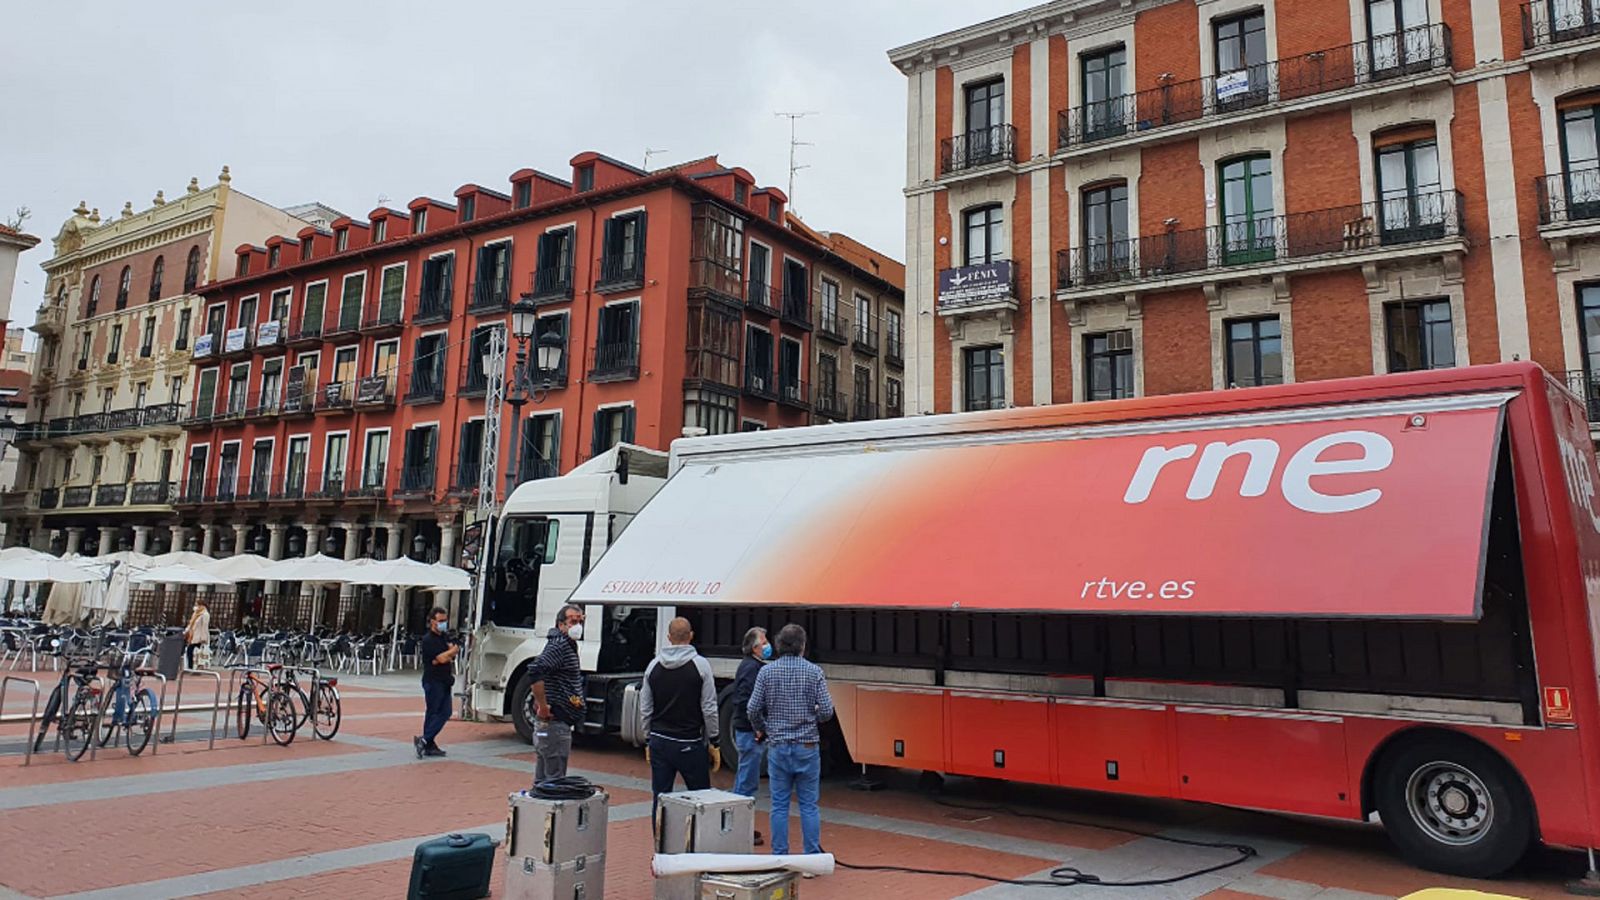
(1450, 803)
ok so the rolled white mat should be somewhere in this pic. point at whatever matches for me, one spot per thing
(666, 864)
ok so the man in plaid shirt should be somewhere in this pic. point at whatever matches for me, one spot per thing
(790, 698)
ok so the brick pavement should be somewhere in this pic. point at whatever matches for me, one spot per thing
(340, 819)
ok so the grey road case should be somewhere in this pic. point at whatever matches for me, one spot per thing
(556, 831)
(583, 878)
(750, 886)
(710, 821)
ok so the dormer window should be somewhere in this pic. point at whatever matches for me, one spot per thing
(773, 208)
(586, 178)
(305, 250)
(419, 221)
(243, 268)
(341, 240)
(524, 195)
(380, 231)
(273, 256)
(469, 208)
(741, 192)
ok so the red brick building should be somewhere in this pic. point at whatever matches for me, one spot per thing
(1111, 199)
(339, 377)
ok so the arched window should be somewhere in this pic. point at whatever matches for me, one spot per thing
(191, 272)
(94, 296)
(123, 284)
(155, 278)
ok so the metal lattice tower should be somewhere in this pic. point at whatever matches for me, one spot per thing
(494, 398)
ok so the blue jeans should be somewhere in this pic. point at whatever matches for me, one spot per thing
(795, 769)
(437, 696)
(748, 781)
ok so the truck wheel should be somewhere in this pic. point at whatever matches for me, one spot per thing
(521, 699)
(1453, 806)
(730, 751)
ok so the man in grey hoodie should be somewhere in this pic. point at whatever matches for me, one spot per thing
(678, 703)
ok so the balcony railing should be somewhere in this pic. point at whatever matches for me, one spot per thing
(94, 423)
(325, 486)
(621, 271)
(865, 339)
(77, 496)
(153, 493)
(472, 382)
(797, 306)
(433, 303)
(1546, 23)
(1344, 230)
(417, 481)
(111, 495)
(758, 381)
(615, 362)
(1584, 384)
(49, 498)
(536, 468)
(385, 319)
(829, 403)
(346, 321)
(427, 386)
(371, 486)
(89, 423)
(1416, 51)
(1570, 196)
(271, 333)
(794, 392)
(977, 149)
(832, 325)
(490, 295)
(334, 397)
(551, 285)
(762, 298)
(374, 391)
(894, 349)
(308, 330)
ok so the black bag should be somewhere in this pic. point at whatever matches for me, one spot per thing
(454, 867)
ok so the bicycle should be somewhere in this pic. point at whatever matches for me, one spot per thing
(130, 707)
(78, 725)
(267, 701)
(322, 705)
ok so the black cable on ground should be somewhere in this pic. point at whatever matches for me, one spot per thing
(570, 787)
(1071, 876)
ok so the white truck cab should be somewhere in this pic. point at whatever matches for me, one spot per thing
(547, 537)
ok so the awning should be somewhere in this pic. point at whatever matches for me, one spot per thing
(1375, 510)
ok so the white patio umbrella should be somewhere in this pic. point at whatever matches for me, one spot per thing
(24, 553)
(240, 567)
(50, 568)
(176, 573)
(410, 573)
(185, 557)
(315, 568)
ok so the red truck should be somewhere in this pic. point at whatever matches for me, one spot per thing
(1373, 598)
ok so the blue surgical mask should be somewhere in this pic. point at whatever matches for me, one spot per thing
(766, 651)
(441, 626)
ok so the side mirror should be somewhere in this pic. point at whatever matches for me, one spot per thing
(471, 545)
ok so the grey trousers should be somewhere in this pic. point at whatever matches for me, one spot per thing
(552, 740)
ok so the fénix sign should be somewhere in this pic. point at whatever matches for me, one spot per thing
(971, 285)
(1374, 511)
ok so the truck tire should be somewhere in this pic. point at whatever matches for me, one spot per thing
(730, 750)
(1453, 806)
(521, 699)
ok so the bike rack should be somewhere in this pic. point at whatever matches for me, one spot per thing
(316, 680)
(161, 705)
(33, 717)
(94, 726)
(235, 680)
(172, 732)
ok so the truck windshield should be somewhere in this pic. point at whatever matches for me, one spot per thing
(526, 544)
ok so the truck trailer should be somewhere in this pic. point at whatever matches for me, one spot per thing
(1366, 599)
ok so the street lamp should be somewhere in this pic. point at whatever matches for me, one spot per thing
(258, 543)
(524, 319)
(419, 548)
(331, 544)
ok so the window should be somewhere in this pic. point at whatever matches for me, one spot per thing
(271, 385)
(1108, 365)
(280, 306)
(1255, 352)
(380, 231)
(156, 272)
(175, 389)
(434, 299)
(617, 342)
(716, 251)
(541, 446)
(741, 192)
(986, 118)
(790, 384)
(344, 365)
(335, 456)
(191, 271)
(124, 284)
(247, 312)
(1398, 35)
(474, 380)
(274, 254)
(299, 460)
(1589, 329)
(524, 195)
(166, 466)
(375, 459)
(130, 464)
(427, 366)
(494, 275)
(106, 396)
(355, 289)
(613, 425)
(419, 221)
(984, 239)
(1410, 204)
(715, 411)
(1580, 158)
(749, 425)
(553, 275)
(623, 249)
(864, 320)
(894, 334)
(1106, 248)
(77, 403)
(1241, 57)
(1248, 228)
(985, 378)
(760, 277)
(827, 376)
(341, 239)
(469, 208)
(774, 210)
(114, 349)
(242, 268)
(307, 247)
(893, 400)
(391, 293)
(469, 453)
(205, 396)
(261, 467)
(185, 317)
(147, 338)
(831, 321)
(94, 296)
(97, 465)
(864, 407)
(238, 382)
(1419, 336)
(384, 359)
(311, 317)
(141, 392)
(83, 350)
(586, 178)
(555, 326)
(197, 472)
(418, 462)
(758, 360)
(1103, 90)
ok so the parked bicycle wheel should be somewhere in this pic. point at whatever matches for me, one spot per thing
(282, 718)
(246, 710)
(78, 725)
(52, 709)
(143, 714)
(328, 713)
(106, 719)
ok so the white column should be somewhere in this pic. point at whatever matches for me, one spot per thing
(180, 536)
(74, 539)
(141, 538)
(447, 555)
(239, 532)
(208, 539)
(390, 594)
(275, 535)
(352, 548)
(313, 546)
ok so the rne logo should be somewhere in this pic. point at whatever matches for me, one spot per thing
(1375, 453)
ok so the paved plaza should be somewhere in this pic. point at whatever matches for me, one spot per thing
(340, 819)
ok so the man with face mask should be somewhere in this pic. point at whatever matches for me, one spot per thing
(438, 676)
(757, 650)
(557, 694)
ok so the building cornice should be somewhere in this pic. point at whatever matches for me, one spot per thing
(132, 232)
(986, 40)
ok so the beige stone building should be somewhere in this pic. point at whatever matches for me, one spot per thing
(103, 442)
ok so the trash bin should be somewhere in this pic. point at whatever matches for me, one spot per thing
(169, 655)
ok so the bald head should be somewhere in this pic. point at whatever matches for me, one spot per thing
(679, 632)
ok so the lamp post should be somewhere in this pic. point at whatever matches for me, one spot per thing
(419, 548)
(524, 318)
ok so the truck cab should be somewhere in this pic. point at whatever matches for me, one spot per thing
(547, 537)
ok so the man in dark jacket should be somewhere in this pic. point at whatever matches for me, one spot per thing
(438, 675)
(757, 650)
(678, 703)
(557, 694)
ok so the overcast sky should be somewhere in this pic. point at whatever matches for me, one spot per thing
(356, 104)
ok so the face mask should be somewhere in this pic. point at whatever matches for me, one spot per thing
(766, 651)
(440, 626)
(575, 631)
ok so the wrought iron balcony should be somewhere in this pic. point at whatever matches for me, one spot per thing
(621, 271)
(347, 322)
(978, 149)
(535, 468)
(89, 423)
(865, 338)
(894, 349)
(326, 486)
(335, 397)
(77, 496)
(762, 298)
(472, 382)
(417, 481)
(307, 331)
(384, 320)
(832, 326)
(863, 409)
(490, 295)
(1587, 387)
(427, 386)
(433, 303)
(794, 392)
(615, 362)
(1569, 197)
(1550, 23)
(758, 381)
(830, 403)
(111, 495)
(153, 493)
(290, 486)
(1326, 233)
(1383, 58)
(121, 419)
(797, 306)
(551, 284)
(374, 391)
(371, 486)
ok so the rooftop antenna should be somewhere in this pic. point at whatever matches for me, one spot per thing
(794, 143)
(649, 153)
